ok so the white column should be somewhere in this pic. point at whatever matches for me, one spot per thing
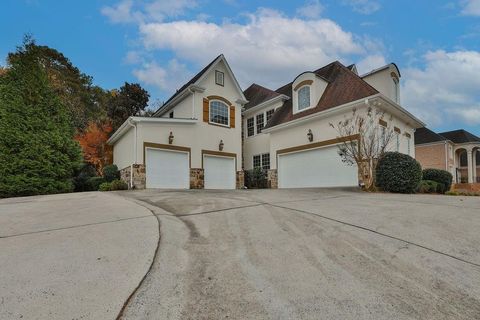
(474, 166)
(470, 166)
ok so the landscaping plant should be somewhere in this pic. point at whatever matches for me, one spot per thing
(398, 172)
(440, 176)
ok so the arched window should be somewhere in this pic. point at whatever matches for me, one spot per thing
(304, 98)
(219, 112)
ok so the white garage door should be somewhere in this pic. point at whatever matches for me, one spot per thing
(167, 169)
(219, 172)
(315, 168)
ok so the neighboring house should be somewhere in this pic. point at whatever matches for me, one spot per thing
(455, 151)
(195, 139)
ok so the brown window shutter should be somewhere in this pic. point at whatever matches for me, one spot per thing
(232, 117)
(206, 112)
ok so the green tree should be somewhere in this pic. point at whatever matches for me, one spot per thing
(83, 100)
(37, 151)
(130, 100)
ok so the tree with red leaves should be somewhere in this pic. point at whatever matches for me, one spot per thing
(93, 141)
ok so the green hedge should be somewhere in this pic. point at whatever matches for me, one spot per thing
(442, 177)
(256, 178)
(114, 185)
(430, 186)
(398, 172)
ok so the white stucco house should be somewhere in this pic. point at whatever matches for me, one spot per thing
(210, 131)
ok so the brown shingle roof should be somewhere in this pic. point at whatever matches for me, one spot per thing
(460, 136)
(343, 86)
(256, 94)
(425, 135)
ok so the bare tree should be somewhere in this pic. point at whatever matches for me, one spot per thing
(364, 138)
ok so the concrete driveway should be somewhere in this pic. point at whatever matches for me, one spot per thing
(72, 256)
(310, 254)
(243, 254)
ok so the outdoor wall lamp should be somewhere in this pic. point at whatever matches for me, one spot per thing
(170, 138)
(220, 146)
(310, 135)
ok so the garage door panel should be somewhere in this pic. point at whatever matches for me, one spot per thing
(166, 169)
(219, 172)
(321, 167)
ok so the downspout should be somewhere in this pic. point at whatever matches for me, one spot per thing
(193, 103)
(132, 124)
(446, 157)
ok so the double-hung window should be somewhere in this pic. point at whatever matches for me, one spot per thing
(261, 161)
(270, 114)
(219, 113)
(250, 127)
(260, 122)
(257, 161)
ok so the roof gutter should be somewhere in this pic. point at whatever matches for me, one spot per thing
(172, 103)
(259, 106)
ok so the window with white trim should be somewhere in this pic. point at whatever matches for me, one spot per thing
(219, 113)
(260, 123)
(266, 161)
(261, 161)
(257, 161)
(219, 78)
(250, 127)
(270, 114)
(408, 145)
(397, 136)
(304, 98)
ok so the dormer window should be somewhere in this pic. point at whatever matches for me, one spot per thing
(303, 98)
(219, 78)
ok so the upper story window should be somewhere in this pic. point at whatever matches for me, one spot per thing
(170, 115)
(250, 127)
(219, 78)
(260, 123)
(304, 98)
(270, 114)
(219, 113)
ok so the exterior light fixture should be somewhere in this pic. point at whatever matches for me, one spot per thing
(220, 146)
(310, 135)
(170, 138)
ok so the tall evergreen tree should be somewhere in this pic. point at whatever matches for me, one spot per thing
(37, 149)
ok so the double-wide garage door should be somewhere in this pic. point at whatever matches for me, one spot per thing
(170, 169)
(321, 167)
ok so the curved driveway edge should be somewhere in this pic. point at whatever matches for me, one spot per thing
(72, 256)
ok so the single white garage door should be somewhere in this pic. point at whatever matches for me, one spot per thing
(167, 169)
(219, 172)
(321, 167)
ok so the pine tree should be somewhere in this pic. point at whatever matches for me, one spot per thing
(38, 152)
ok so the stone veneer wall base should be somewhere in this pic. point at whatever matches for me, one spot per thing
(139, 178)
(197, 178)
(272, 179)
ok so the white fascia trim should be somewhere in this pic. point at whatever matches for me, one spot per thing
(326, 113)
(419, 123)
(185, 93)
(259, 106)
(428, 144)
(125, 126)
(230, 73)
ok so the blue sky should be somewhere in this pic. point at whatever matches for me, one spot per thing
(160, 44)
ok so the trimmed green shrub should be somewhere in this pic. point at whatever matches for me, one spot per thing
(105, 186)
(119, 185)
(398, 172)
(256, 178)
(428, 186)
(111, 173)
(94, 183)
(441, 176)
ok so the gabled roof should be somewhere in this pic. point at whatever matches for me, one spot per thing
(425, 135)
(344, 86)
(256, 94)
(197, 78)
(460, 136)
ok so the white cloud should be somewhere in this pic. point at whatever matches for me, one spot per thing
(132, 57)
(168, 78)
(363, 6)
(471, 7)
(269, 48)
(370, 63)
(446, 89)
(312, 9)
(127, 11)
